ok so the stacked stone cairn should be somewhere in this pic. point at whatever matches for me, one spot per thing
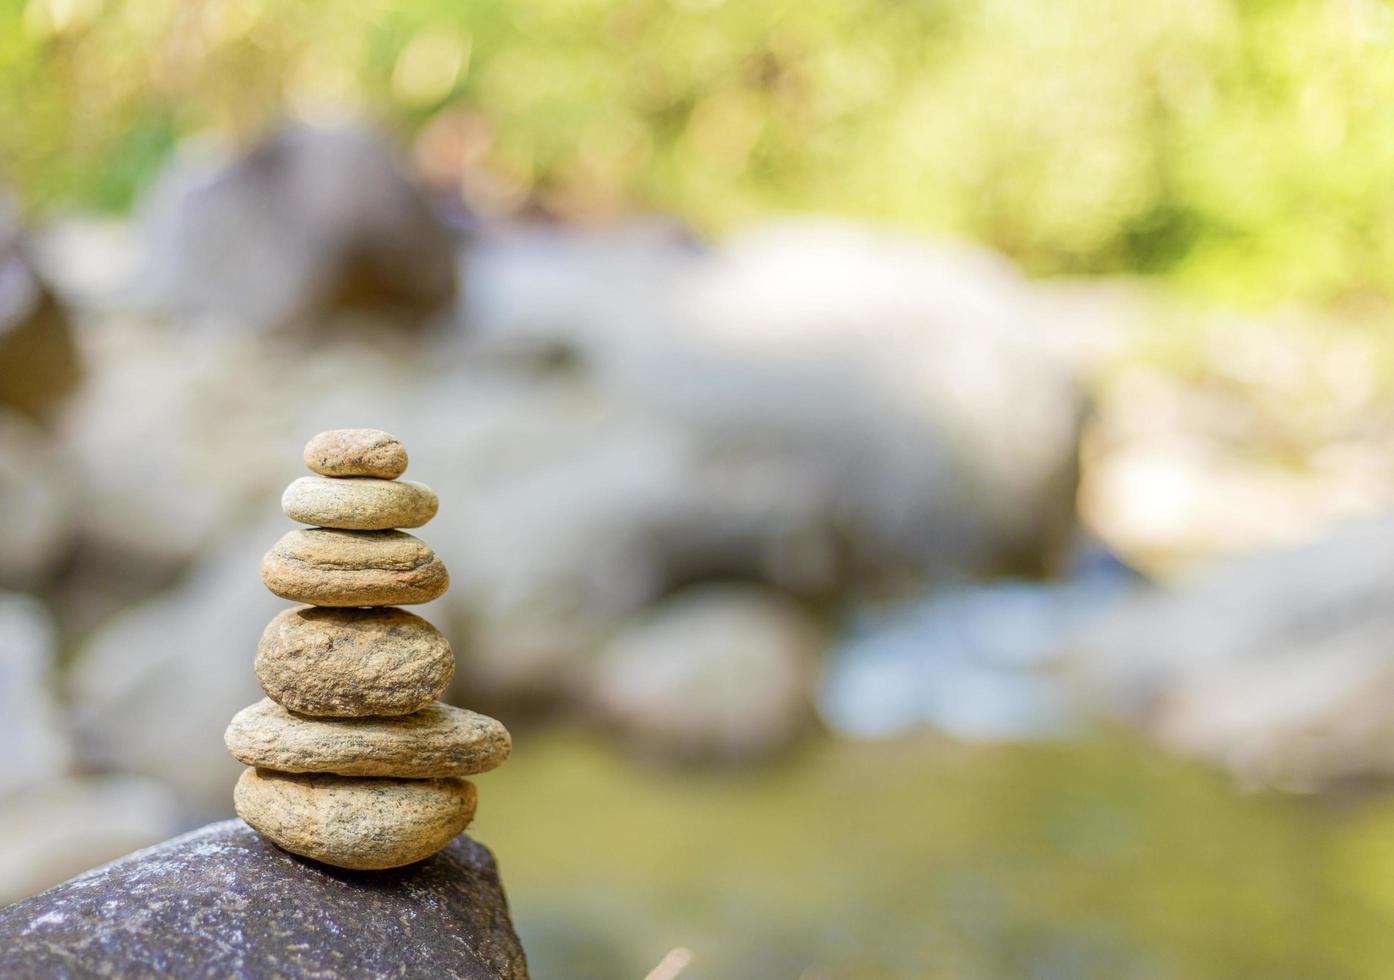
(353, 761)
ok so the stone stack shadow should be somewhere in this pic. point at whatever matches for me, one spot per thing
(353, 761)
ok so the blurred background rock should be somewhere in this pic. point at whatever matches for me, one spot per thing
(916, 477)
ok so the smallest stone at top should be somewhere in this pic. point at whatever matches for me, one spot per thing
(356, 452)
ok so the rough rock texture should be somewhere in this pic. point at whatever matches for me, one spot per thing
(355, 822)
(349, 662)
(438, 740)
(359, 503)
(327, 567)
(222, 902)
(356, 452)
(717, 672)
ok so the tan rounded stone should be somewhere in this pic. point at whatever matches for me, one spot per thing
(349, 662)
(356, 452)
(326, 567)
(439, 740)
(359, 503)
(358, 823)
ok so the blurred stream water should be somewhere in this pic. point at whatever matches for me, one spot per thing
(973, 661)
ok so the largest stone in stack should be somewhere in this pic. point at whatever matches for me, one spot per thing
(353, 760)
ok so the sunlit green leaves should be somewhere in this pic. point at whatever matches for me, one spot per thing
(1244, 149)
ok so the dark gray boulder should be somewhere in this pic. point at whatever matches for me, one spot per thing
(222, 902)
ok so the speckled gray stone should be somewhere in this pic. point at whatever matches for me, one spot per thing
(223, 902)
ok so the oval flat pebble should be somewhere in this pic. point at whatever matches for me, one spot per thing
(358, 822)
(346, 662)
(359, 503)
(439, 740)
(327, 567)
(356, 452)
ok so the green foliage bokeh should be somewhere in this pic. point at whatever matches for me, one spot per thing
(1242, 149)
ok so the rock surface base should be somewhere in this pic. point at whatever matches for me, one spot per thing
(222, 902)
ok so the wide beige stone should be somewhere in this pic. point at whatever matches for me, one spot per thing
(346, 662)
(355, 822)
(327, 567)
(439, 740)
(359, 503)
(356, 452)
